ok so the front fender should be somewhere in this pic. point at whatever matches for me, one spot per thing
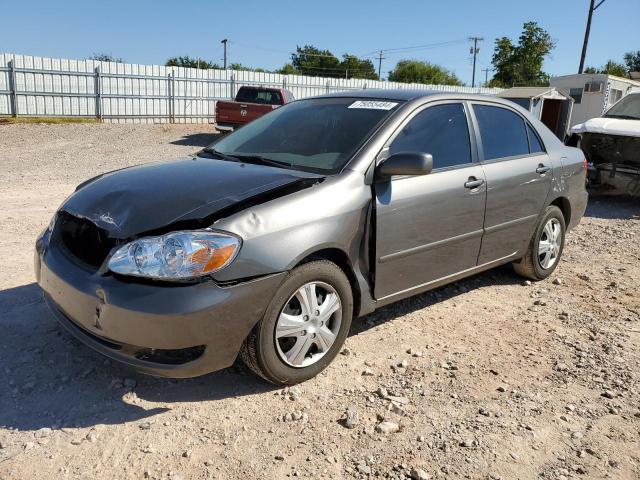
(278, 234)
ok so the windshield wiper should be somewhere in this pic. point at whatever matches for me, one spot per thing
(247, 158)
(263, 160)
(221, 155)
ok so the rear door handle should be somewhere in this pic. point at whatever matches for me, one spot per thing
(473, 182)
(542, 169)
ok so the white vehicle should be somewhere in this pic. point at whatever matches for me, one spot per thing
(611, 144)
(592, 93)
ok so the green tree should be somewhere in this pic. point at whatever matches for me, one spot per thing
(309, 60)
(355, 67)
(239, 66)
(632, 61)
(189, 62)
(521, 64)
(614, 68)
(415, 71)
(106, 57)
(610, 68)
(288, 69)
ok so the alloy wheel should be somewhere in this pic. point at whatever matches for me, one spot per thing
(550, 243)
(308, 324)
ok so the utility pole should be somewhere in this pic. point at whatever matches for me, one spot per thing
(380, 58)
(592, 8)
(474, 51)
(224, 42)
(486, 75)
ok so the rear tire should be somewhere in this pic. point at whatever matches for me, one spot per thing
(538, 262)
(294, 320)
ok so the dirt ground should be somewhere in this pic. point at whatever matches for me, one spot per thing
(488, 378)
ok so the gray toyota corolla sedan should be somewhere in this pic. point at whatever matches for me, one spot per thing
(268, 242)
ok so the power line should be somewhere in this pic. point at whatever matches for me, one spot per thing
(415, 47)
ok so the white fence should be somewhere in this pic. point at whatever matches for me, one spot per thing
(125, 92)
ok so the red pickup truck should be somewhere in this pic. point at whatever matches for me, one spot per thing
(249, 104)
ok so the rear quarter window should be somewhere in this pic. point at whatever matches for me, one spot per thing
(535, 144)
(502, 131)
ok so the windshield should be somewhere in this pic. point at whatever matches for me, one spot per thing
(628, 107)
(317, 135)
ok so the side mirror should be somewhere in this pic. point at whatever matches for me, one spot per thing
(406, 163)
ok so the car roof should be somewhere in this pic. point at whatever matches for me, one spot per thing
(401, 94)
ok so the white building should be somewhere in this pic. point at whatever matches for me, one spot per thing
(593, 93)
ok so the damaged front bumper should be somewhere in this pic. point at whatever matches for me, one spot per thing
(171, 330)
(614, 162)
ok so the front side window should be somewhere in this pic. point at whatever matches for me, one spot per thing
(442, 131)
(502, 131)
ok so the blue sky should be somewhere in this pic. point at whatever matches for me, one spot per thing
(263, 33)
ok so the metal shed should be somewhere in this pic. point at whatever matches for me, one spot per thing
(551, 106)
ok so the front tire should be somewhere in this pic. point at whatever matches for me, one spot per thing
(546, 246)
(304, 326)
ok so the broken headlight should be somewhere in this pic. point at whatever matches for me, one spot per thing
(176, 255)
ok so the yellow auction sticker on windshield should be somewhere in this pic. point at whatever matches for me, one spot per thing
(373, 104)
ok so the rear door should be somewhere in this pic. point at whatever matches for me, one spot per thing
(518, 173)
(430, 226)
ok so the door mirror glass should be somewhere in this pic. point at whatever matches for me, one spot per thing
(406, 163)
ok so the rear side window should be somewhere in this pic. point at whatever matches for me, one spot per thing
(255, 95)
(442, 131)
(502, 131)
(535, 145)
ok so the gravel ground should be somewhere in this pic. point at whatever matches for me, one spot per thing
(490, 377)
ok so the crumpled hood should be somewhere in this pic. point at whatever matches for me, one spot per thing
(149, 197)
(611, 126)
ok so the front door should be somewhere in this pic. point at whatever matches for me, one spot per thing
(429, 227)
(518, 173)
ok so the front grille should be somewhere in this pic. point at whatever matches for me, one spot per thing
(83, 239)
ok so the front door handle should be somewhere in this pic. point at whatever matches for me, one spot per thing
(542, 169)
(473, 182)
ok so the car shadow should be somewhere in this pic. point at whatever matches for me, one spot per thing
(609, 207)
(197, 139)
(52, 380)
(503, 275)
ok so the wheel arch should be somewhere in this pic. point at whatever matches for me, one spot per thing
(341, 259)
(565, 207)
